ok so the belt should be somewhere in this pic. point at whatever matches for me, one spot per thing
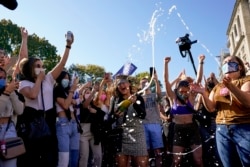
(4, 120)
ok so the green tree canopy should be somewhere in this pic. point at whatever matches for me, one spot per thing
(10, 41)
(90, 70)
(146, 74)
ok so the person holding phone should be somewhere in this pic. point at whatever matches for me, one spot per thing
(66, 126)
(10, 106)
(37, 87)
(152, 122)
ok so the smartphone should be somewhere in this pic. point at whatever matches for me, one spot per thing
(89, 79)
(151, 71)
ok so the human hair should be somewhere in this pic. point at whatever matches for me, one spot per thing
(117, 92)
(241, 63)
(2, 70)
(26, 67)
(4, 52)
(182, 83)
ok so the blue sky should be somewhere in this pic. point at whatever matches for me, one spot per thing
(110, 33)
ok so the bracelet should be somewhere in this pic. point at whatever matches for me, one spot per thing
(201, 62)
(6, 94)
(67, 46)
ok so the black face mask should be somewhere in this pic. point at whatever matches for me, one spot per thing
(210, 85)
(180, 97)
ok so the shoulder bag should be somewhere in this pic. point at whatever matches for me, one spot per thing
(11, 147)
(39, 127)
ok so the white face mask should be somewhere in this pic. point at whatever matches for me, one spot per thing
(86, 96)
(38, 70)
(65, 83)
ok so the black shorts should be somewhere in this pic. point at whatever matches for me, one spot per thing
(186, 135)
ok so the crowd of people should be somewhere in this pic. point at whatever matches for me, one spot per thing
(113, 122)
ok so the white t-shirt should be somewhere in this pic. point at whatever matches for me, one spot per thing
(106, 110)
(48, 85)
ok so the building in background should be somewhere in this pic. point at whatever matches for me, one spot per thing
(238, 34)
(238, 31)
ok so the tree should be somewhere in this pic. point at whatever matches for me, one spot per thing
(142, 75)
(10, 38)
(90, 70)
(10, 41)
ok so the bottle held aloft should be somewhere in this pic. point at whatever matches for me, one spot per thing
(69, 36)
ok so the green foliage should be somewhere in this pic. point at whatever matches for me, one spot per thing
(10, 38)
(90, 70)
(40, 47)
(142, 75)
(10, 41)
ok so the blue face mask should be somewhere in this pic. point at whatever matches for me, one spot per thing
(65, 83)
(230, 67)
(2, 83)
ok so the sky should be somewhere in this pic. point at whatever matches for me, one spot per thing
(111, 33)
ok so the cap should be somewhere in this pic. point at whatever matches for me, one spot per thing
(121, 79)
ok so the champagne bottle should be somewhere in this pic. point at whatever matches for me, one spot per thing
(123, 105)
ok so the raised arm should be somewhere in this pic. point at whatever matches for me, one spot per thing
(168, 86)
(157, 86)
(200, 69)
(59, 67)
(23, 52)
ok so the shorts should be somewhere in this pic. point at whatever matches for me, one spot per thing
(186, 135)
(154, 136)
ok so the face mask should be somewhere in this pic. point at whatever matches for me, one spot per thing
(2, 83)
(38, 70)
(86, 96)
(65, 83)
(103, 97)
(210, 85)
(230, 67)
(182, 97)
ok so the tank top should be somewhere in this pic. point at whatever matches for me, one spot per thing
(181, 109)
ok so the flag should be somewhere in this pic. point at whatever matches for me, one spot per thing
(126, 69)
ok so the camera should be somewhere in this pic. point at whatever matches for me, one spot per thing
(185, 46)
(185, 43)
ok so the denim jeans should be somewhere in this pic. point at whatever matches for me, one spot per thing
(209, 149)
(233, 144)
(10, 133)
(68, 140)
